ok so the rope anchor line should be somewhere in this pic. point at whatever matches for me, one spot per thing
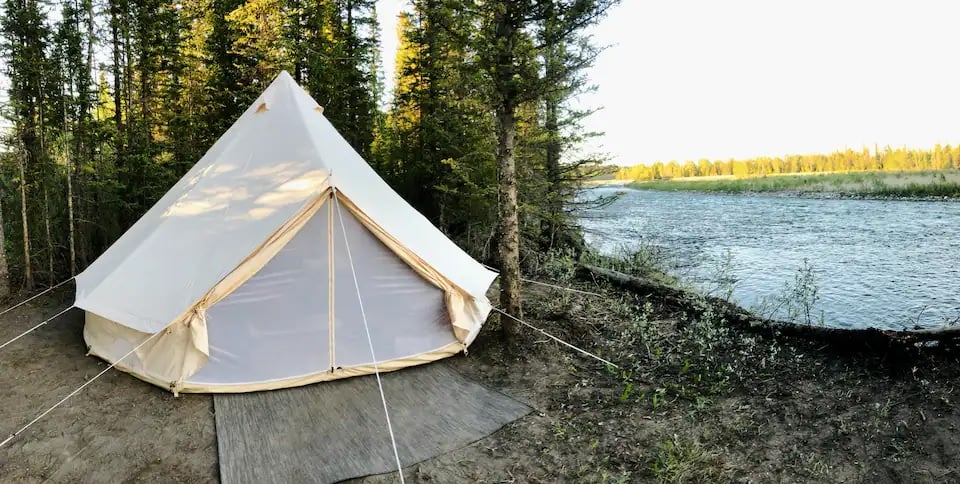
(21, 335)
(547, 284)
(78, 390)
(31, 298)
(363, 316)
(558, 340)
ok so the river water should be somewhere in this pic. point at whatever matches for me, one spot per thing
(880, 263)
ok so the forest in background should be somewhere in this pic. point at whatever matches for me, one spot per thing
(110, 102)
(887, 159)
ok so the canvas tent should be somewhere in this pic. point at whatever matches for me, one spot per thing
(258, 268)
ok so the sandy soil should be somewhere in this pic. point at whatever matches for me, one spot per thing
(118, 429)
(693, 402)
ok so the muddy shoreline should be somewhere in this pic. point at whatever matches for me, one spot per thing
(845, 196)
(817, 195)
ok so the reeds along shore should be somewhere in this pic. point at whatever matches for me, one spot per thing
(905, 185)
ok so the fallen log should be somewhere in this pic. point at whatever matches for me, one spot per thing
(743, 319)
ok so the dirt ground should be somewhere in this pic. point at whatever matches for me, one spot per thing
(118, 429)
(693, 401)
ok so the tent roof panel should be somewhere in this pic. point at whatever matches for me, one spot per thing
(255, 178)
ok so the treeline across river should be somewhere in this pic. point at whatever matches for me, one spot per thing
(941, 157)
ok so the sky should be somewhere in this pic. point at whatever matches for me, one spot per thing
(690, 79)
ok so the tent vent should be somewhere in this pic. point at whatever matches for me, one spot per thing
(262, 107)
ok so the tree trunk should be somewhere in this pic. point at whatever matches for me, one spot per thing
(85, 149)
(127, 63)
(507, 22)
(27, 271)
(51, 274)
(298, 64)
(69, 168)
(117, 76)
(509, 219)
(70, 217)
(91, 36)
(4, 272)
(44, 179)
(555, 196)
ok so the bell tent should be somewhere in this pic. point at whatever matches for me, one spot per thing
(280, 259)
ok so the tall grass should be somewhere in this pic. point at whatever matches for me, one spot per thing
(934, 190)
(921, 184)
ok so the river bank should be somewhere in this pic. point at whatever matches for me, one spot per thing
(920, 185)
(698, 401)
(694, 400)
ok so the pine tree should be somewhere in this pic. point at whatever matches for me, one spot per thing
(508, 55)
(339, 65)
(566, 54)
(260, 26)
(433, 145)
(26, 37)
(231, 83)
(75, 102)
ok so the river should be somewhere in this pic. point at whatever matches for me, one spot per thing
(881, 263)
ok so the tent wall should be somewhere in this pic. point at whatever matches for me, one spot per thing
(407, 315)
(110, 340)
(276, 325)
(267, 324)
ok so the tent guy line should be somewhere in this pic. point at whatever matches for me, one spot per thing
(366, 327)
(31, 298)
(369, 341)
(21, 335)
(558, 340)
(531, 281)
(78, 390)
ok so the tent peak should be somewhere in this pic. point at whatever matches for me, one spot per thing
(283, 80)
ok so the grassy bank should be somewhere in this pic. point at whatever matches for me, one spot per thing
(920, 184)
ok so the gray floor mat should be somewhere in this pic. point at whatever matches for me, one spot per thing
(336, 430)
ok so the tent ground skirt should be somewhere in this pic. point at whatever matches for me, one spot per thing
(333, 431)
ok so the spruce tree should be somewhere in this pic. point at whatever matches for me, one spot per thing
(25, 41)
(508, 52)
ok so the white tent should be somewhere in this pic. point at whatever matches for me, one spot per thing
(260, 266)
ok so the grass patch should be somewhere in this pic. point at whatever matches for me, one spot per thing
(682, 460)
(919, 184)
